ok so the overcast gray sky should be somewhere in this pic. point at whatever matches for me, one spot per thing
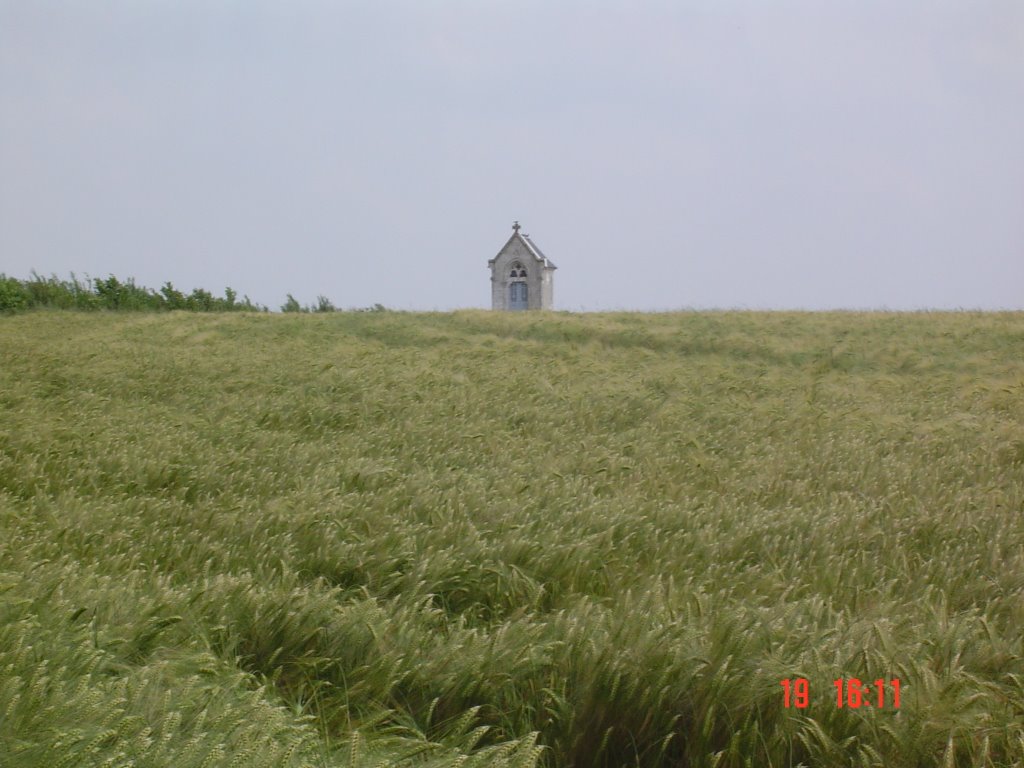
(736, 153)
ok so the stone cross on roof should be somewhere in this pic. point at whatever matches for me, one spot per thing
(515, 226)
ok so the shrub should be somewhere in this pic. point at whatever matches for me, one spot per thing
(113, 294)
(12, 295)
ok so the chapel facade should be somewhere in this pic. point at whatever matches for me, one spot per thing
(522, 277)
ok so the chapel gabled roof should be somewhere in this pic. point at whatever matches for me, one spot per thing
(531, 247)
(537, 252)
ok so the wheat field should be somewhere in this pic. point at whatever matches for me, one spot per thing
(479, 539)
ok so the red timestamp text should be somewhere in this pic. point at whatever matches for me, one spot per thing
(850, 692)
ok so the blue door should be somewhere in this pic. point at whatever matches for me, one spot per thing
(517, 296)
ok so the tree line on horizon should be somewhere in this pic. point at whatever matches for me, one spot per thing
(110, 293)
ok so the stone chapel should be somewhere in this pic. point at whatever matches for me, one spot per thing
(522, 277)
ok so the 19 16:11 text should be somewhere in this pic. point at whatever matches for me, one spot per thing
(850, 692)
